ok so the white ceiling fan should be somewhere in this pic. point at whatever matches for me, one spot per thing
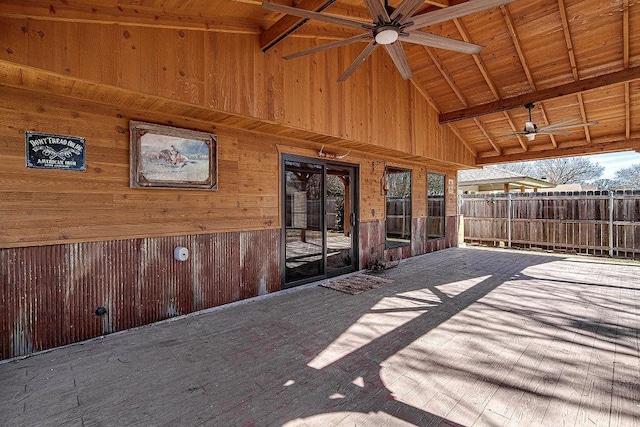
(392, 25)
(560, 128)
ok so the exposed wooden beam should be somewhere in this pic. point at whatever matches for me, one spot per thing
(425, 94)
(434, 105)
(515, 129)
(577, 150)
(466, 144)
(517, 44)
(485, 74)
(288, 23)
(625, 33)
(546, 120)
(572, 60)
(523, 62)
(486, 135)
(438, 3)
(456, 89)
(584, 85)
(477, 58)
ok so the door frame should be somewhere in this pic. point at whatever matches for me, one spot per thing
(355, 238)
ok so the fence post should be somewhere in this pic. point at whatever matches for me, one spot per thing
(611, 223)
(509, 219)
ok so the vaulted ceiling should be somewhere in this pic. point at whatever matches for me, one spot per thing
(572, 58)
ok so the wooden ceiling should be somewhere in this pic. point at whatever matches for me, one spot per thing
(573, 58)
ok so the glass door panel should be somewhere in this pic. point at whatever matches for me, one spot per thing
(304, 221)
(339, 217)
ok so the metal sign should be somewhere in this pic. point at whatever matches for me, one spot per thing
(47, 151)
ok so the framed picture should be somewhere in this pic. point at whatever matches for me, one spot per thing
(169, 157)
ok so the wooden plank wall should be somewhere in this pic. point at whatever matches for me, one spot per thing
(577, 222)
(228, 72)
(47, 207)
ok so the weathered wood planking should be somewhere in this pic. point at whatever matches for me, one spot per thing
(578, 222)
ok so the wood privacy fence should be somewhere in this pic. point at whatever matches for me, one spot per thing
(594, 222)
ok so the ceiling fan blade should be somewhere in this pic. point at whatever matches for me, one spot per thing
(406, 9)
(377, 10)
(553, 133)
(452, 12)
(328, 46)
(400, 59)
(359, 60)
(432, 40)
(561, 123)
(308, 14)
(557, 126)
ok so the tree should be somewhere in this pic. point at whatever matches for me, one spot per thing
(523, 168)
(629, 178)
(606, 184)
(568, 170)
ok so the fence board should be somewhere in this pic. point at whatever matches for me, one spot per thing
(576, 221)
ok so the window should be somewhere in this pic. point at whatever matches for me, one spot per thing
(398, 206)
(435, 206)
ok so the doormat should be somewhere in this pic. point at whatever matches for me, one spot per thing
(357, 284)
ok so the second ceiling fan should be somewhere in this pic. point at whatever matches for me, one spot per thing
(563, 127)
(390, 26)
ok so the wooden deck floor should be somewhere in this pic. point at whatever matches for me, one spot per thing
(462, 337)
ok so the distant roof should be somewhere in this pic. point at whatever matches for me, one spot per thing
(495, 175)
(576, 187)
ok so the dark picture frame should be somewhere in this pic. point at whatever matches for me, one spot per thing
(170, 157)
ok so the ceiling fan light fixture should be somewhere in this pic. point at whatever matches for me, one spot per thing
(529, 126)
(531, 136)
(387, 35)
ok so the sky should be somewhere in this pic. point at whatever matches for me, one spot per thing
(615, 161)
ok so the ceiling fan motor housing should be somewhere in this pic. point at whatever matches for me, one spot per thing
(386, 34)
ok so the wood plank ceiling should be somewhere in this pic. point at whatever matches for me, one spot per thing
(573, 58)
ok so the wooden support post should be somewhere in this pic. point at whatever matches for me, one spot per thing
(506, 187)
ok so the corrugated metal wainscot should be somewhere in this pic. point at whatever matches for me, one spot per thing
(50, 294)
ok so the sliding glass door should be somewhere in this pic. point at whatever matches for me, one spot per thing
(319, 217)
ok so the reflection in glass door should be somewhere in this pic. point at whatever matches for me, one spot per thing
(319, 218)
(339, 216)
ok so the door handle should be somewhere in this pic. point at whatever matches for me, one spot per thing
(353, 219)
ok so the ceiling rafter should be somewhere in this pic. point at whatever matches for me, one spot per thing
(616, 77)
(425, 94)
(485, 74)
(439, 3)
(525, 67)
(433, 104)
(289, 23)
(466, 144)
(572, 59)
(596, 147)
(456, 89)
